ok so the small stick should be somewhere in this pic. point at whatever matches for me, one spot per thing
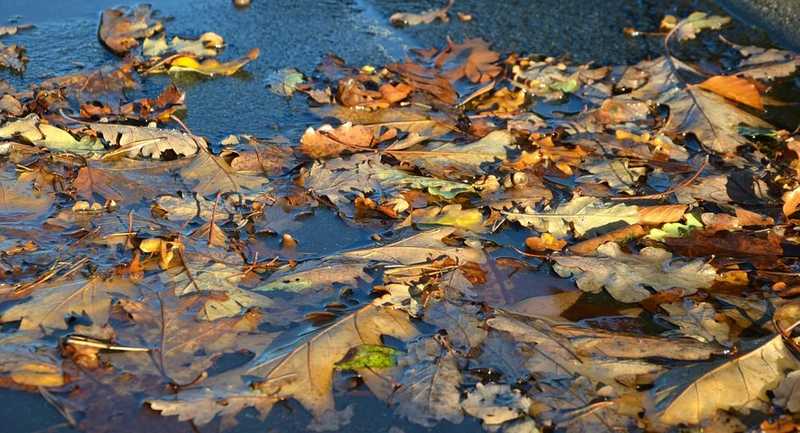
(661, 195)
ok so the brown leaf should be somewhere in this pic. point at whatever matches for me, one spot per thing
(727, 244)
(121, 29)
(327, 142)
(108, 184)
(735, 88)
(401, 19)
(655, 215)
(478, 64)
(620, 235)
(13, 57)
(427, 80)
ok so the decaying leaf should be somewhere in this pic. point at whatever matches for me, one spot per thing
(55, 303)
(429, 385)
(411, 19)
(148, 142)
(625, 276)
(121, 29)
(13, 57)
(305, 374)
(695, 394)
(206, 45)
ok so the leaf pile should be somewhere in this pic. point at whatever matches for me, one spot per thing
(405, 245)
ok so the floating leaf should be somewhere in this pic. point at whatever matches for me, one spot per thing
(121, 29)
(625, 275)
(737, 384)
(206, 45)
(210, 67)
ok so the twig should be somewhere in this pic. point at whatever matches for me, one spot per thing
(663, 194)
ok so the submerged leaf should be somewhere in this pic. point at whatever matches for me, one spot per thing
(369, 356)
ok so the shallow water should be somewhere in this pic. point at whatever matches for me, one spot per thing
(297, 33)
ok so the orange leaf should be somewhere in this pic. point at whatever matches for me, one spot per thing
(545, 242)
(668, 213)
(791, 200)
(734, 88)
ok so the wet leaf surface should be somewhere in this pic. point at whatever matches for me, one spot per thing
(461, 238)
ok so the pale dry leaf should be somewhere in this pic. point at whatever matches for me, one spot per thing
(495, 404)
(625, 276)
(149, 142)
(305, 373)
(584, 214)
(691, 395)
(429, 385)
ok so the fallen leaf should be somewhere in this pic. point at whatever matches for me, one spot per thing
(149, 142)
(285, 81)
(734, 88)
(450, 215)
(689, 27)
(305, 373)
(40, 133)
(738, 384)
(13, 57)
(449, 160)
(327, 142)
(791, 200)
(210, 67)
(545, 242)
(429, 385)
(625, 275)
(473, 60)
(401, 19)
(584, 213)
(121, 28)
(427, 80)
(206, 45)
(53, 304)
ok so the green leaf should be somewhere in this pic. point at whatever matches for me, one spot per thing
(369, 356)
(676, 230)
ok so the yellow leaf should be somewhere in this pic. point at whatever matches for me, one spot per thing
(38, 374)
(211, 67)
